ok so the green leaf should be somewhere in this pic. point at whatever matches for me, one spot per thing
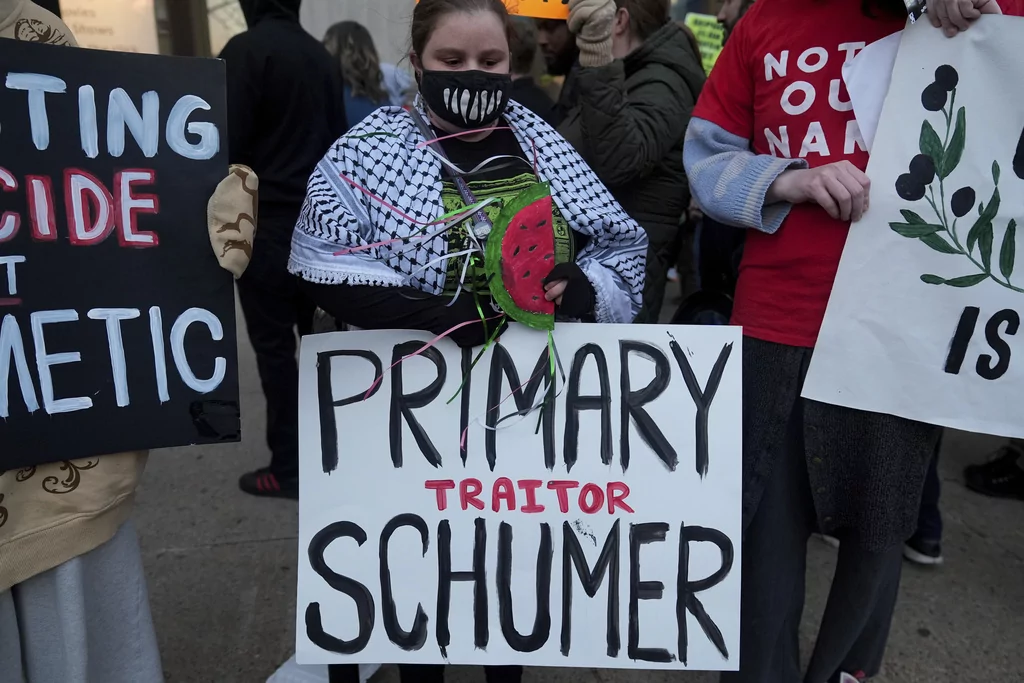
(985, 246)
(984, 222)
(913, 230)
(1008, 252)
(933, 280)
(938, 243)
(931, 144)
(912, 218)
(956, 145)
(975, 233)
(967, 280)
(995, 171)
(993, 205)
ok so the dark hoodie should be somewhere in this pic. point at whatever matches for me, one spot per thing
(629, 121)
(285, 107)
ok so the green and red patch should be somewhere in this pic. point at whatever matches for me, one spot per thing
(521, 251)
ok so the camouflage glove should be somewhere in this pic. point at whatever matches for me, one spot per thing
(231, 219)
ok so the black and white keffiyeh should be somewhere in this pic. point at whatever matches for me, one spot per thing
(381, 155)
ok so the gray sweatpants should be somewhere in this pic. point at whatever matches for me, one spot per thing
(86, 621)
(855, 627)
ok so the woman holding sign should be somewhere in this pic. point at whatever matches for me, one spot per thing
(774, 146)
(381, 241)
(400, 210)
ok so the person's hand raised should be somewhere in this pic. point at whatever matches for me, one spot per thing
(953, 16)
(841, 189)
(592, 22)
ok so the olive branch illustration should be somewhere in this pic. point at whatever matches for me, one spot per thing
(938, 159)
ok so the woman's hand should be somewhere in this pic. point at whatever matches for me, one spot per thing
(953, 16)
(570, 289)
(592, 22)
(841, 189)
(555, 291)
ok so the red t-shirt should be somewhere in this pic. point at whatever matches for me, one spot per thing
(779, 84)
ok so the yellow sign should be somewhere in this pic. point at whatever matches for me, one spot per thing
(541, 9)
(710, 36)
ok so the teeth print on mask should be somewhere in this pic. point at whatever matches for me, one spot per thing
(467, 99)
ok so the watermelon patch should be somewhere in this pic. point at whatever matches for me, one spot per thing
(520, 253)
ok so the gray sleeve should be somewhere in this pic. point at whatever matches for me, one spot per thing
(730, 181)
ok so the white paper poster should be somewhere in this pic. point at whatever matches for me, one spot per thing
(592, 524)
(924, 319)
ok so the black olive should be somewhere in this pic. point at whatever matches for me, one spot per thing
(922, 168)
(963, 201)
(934, 97)
(946, 77)
(908, 188)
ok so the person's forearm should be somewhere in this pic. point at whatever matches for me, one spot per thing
(776, 193)
(732, 183)
(643, 134)
(402, 308)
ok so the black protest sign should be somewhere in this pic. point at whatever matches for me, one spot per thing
(116, 322)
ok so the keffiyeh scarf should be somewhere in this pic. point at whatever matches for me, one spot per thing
(385, 155)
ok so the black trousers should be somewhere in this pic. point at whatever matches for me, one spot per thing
(929, 524)
(274, 308)
(425, 673)
(855, 627)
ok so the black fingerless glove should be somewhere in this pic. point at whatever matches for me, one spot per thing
(579, 299)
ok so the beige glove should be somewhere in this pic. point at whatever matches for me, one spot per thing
(231, 219)
(592, 22)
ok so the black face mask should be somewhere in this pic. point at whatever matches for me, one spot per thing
(467, 99)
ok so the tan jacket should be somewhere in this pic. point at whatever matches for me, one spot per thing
(53, 513)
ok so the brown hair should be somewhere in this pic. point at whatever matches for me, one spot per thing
(429, 12)
(352, 45)
(646, 16)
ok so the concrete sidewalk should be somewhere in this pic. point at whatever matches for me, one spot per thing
(221, 568)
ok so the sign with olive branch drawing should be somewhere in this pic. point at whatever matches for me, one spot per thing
(924, 320)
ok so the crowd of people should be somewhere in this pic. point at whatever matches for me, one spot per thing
(639, 148)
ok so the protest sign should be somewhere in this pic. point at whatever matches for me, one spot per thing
(541, 9)
(710, 37)
(924, 316)
(116, 324)
(601, 529)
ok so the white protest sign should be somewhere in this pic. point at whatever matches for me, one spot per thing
(924, 318)
(602, 530)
